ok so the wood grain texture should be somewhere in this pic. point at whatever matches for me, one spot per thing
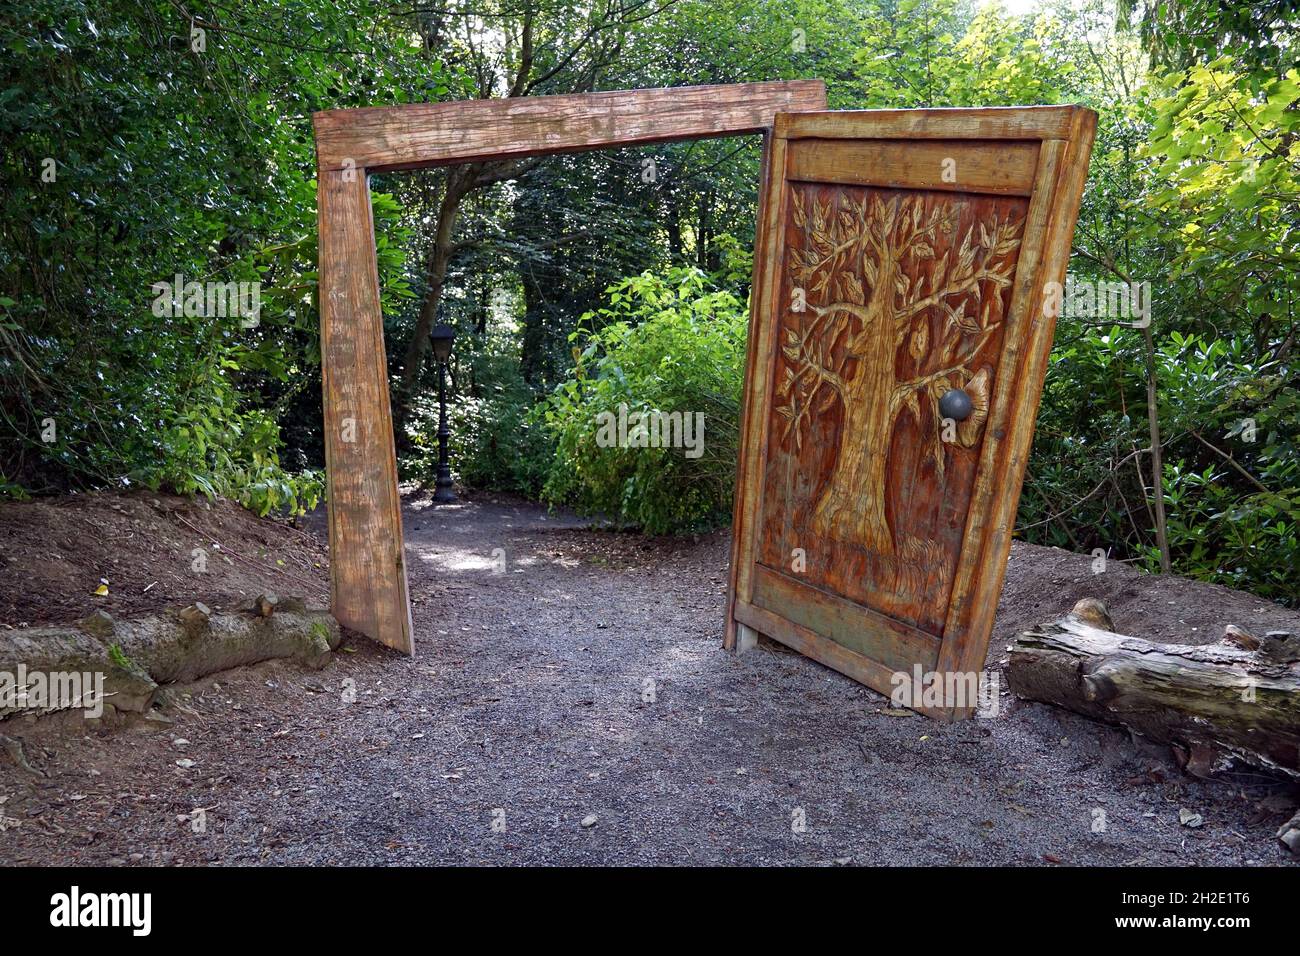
(742, 521)
(991, 122)
(368, 590)
(427, 134)
(856, 627)
(759, 356)
(877, 289)
(1063, 174)
(986, 166)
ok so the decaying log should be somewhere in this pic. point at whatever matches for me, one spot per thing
(136, 656)
(1212, 702)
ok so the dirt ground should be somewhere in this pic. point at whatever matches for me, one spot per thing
(569, 704)
(152, 550)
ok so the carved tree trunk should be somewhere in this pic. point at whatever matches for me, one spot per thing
(1211, 701)
(852, 507)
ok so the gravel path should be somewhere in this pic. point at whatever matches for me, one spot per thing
(570, 704)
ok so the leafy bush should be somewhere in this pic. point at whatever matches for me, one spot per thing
(128, 160)
(1231, 481)
(667, 342)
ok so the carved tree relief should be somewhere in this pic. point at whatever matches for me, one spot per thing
(889, 299)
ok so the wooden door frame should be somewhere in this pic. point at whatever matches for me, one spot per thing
(368, 590)
(1064, 137)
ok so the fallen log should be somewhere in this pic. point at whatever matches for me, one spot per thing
(1211, 702)
(129, 659)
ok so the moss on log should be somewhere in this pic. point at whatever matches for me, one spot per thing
(136, 656)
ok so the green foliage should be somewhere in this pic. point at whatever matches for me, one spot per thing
(1231, 472)
(664, 342)
(132, 157)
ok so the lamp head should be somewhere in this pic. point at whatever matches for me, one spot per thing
(442, 336)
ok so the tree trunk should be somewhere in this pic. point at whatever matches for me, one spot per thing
(459, 180)
(1157, 458)
(1212, 701)
(852, 509)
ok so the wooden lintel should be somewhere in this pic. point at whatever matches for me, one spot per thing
(386, 138)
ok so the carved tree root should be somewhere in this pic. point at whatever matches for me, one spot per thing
(1212, 702)
(136, 656)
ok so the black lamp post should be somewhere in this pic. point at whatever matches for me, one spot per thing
(442, 336)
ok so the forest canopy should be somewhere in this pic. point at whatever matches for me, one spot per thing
(153, 145)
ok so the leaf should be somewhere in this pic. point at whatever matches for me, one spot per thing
(920, 340)
(800, 215)
(977, 388)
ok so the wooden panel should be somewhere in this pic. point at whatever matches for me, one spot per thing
(990, 166)
(993, 122)
(367, 570)
(905, 296)
(808, 642)
(744, 505)
(859, 629)
(871, 535)
(425, 134)
(758, 367)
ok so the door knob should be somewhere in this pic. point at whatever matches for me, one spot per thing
(955, 404)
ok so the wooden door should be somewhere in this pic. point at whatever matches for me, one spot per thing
(899, 335)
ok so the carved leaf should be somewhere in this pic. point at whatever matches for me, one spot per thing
(968, 432)
(967, 322)
(939, 275)
(848, 224)
(799, 215)
(920, 341)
